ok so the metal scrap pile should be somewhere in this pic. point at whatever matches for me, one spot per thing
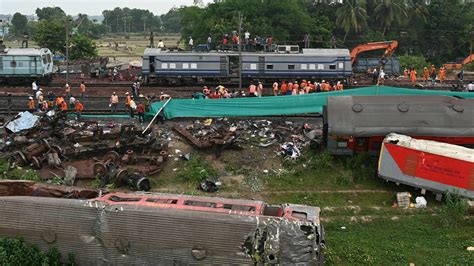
(67, 150)
(223, 133)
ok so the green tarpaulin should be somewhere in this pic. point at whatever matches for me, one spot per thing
(278, 105)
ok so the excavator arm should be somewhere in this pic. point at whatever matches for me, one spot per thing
(389, 47)
(468, 60)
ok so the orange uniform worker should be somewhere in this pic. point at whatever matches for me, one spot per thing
(324, 86)
(339, 86)
(59, 100)
(82, 88)
(296, 88)
(63, 106)
(413, 75)
(128, 99)
(442, 74)
(426, 74)
(283, 88)
(78, 107)
(31, 104)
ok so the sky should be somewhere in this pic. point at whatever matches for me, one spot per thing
(90, 7)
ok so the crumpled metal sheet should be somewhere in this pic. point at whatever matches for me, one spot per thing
(26, 120)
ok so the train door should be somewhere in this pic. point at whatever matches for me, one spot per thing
(340, 67)
(33, 65)
(151, 64)
(223, 66)
(234, 65)
(361, 145)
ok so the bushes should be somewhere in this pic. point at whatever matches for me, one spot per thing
(418, 62)
(14, 251)
(195, 170)
(453, 211)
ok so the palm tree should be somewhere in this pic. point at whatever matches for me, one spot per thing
(351, 15)
(417, 11)
(389, 11)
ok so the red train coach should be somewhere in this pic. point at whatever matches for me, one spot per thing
(357, 124)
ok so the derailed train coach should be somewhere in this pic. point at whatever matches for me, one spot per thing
(429, 165)
(358, 124)
(166, 229)
(26, 64)
(169, 67)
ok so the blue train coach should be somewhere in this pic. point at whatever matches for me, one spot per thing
(170, 67)
(25, 64)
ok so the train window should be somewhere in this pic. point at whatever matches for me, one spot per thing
(185, 65)
(342, 144)
(193, 65)
(121, 199)
(304, 66)
(172, 65)
(291, 66)
(253, 66)
(320, 66)
(164, 201)
(332, 66)
(312, 66)
(341, 65)
(239, 207)
(164, 65)
(200, 203)
(269, 66)
(13, 64)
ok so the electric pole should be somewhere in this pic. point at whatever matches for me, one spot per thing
(67, 49)
(240, 51)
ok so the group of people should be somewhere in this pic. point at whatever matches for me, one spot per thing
(130, 104)
(39, 102)
(428, 74)
(256, 89)
(229, 41)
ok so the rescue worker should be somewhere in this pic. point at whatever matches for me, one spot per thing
(433, 74)
(50, 98)
(133, 107)
(206, 91)
(127, 101)
(79, 107)
(339, 86)
(324, 86)
(426, 74)
(72, 102)
(38, 93)
(31, 104)
(59, 101)
(114, 102)
(381, 77)
(63, 106)
(275, 88)
(283, 88)
(82, 88)
(141, 112)
(289, 90)
(296, 88)
(67, 89)
(44, 106)
(260, 89)
(252, 90)
(442, 74)
(413, 75)
(164, 97)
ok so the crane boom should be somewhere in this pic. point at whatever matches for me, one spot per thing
(389, 47)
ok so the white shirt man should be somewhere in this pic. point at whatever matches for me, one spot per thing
(34, 86)
(470, 87)
(161, 44)
(191, 42)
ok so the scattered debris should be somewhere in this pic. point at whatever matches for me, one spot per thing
(403, 199)
(210, 185)
(420, 202)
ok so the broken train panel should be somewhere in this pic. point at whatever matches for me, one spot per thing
(99, 232)
(430, 165)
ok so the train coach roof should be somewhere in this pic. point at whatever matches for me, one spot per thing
(24, 51)
(365, 116)
(305, 52)
(327, 52)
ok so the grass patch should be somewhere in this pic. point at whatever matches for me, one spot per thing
(418, 239)
(17, 173)
(195, 170)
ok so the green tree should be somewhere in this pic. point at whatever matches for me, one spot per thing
(82, 47)
(19, 24)
(50, 13)
(389, 12)
(352, 15)
(51, 34)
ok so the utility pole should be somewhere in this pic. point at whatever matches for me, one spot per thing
(67, 49)
(240, 51)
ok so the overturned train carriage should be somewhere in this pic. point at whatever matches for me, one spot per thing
(26, 64)
(164, 66)
(164, 229)
(358, 124)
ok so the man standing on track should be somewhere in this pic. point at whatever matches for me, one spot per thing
(79, 107)
(141, 112)
(127, 101)
(114, 102)
(83, 89)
